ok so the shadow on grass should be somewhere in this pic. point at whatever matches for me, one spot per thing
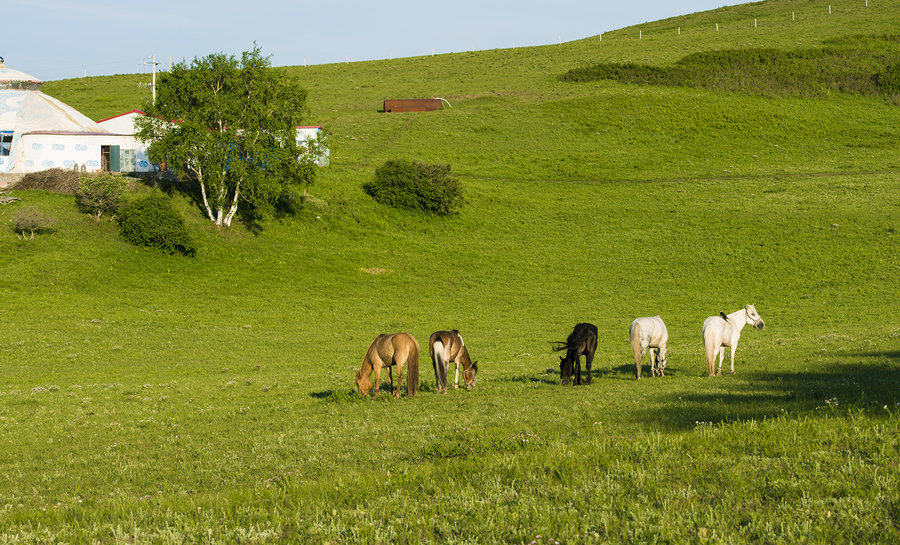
(351, 395)
(862, 385)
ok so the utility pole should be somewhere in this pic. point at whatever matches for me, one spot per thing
(153, 64)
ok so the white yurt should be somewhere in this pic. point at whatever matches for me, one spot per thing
(38, 132)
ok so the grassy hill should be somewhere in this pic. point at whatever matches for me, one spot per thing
(146, 398)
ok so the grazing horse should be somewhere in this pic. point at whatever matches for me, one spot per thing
(582, 340)
(446, 347)
(387, 351)
(725, 330)
(649, 333)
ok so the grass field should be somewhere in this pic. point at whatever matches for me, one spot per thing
(147, 398)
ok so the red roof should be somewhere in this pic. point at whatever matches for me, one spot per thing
(121, 115)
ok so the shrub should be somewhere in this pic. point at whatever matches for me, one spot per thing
(32, 221)
(100, 194)
(55, 180)
(152, 220)
(416, 186)
(889, 79)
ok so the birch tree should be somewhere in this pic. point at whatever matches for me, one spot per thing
(230, 125)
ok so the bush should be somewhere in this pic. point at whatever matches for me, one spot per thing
(153, 221)
(100, 194)
(889, 79)
(32, 221)
(416, 186)
(55, 180)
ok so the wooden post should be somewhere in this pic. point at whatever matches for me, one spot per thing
(717, 27)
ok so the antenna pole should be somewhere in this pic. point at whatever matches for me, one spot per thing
(153, 64)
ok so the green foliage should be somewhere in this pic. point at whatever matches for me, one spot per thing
(848, 64)
(100, 194)
(235, 133)
(152, 220)
(889, 79)
(416, 186)
(33, 221)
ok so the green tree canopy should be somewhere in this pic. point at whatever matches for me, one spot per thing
(230, 125)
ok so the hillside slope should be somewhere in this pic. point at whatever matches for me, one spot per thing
(147, 398)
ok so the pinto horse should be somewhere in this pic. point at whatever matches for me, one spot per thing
(582, 340)
(649, 333)
(446, 347)
(725, 330)
(387, 351)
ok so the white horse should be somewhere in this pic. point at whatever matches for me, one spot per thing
(649, 333)
(721, 331)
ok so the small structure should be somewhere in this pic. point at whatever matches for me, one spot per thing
(38, 132)
(308, 135)
(412, 105)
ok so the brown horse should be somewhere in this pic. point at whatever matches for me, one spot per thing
(387, 351)
(446, 347)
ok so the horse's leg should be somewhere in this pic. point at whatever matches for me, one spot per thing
(733, 348)
(391, 380)
(721, 359)
(456, 375)
(652, 362)
(577, 369)
(588, 360)
(376, 370)
(399, 380)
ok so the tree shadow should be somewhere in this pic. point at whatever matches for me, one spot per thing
(861, 384)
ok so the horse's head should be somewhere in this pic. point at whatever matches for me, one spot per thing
(754, 318)
(565, 370)
(363, 384)
(469, 375)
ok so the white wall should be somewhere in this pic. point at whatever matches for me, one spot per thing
(36, 152)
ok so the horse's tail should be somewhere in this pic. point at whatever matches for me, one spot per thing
(635, 334)
(710, 344)
(412, 371)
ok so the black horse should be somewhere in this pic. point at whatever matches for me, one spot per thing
(582, 340)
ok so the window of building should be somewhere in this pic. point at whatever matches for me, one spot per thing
(5, 143)
(127, 160)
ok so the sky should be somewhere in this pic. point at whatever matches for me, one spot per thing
(59, 39)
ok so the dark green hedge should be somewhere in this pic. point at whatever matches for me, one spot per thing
(152, 220)
(402, 183)
(866, 65)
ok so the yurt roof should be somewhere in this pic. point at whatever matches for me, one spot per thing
(10, 76)
(25, 109)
